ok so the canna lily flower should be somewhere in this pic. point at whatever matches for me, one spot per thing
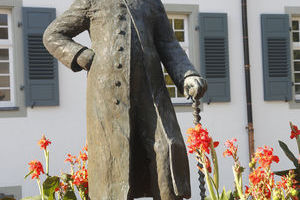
(44, 142)
(36, 168)
(199, 139)
(71, 159)
(83, 156)
(265, 156)
(294, 131)
(231, 148)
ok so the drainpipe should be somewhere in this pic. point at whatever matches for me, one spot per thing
(247, 79)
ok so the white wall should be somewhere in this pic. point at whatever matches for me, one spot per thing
(66, 127)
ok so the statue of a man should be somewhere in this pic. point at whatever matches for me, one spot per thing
(135, 145)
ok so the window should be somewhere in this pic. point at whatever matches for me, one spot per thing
(179, 24)
(7, 97)
(12, 98)
(296, 55)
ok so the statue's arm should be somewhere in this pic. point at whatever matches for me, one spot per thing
(171, 53)
(58, 36)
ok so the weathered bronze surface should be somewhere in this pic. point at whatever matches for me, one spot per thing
(135, 145)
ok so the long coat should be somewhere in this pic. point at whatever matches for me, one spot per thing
(135, 145)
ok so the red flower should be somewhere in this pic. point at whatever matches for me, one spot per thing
(83, 156)
(261, 184)
(231, 148)
(257, 176)
(283, 183)
(80, 179)
(71, 159)
(36, 168)
(85, 148)
(294, 131)
(247, 191)
(265, 156)
(44, 142)
(199, 139)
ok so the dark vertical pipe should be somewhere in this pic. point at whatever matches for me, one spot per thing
(247, 79)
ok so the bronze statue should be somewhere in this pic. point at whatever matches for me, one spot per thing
(135, 145)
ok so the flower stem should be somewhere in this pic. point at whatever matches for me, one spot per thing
(46, 153)
(40, 187)
(216, 166)
(238, 183)
(298, 143)
(209, 183)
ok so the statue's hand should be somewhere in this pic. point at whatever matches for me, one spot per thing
(195, 87)
(85, 59)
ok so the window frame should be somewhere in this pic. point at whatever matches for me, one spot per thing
(295, 46)
(191, 11)
(18, 108)
(185, 46)
(9, 44)
(292, 12)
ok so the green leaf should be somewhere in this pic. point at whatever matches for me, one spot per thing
(49, 186)
(208, 198)
(28, 174)
(282, 173)
(223, 195)
(66, 177)
(229, 195)
(216, 167)
(39, 197)
(288, 153)
(286, 172)
(70, 195)
(226, 195)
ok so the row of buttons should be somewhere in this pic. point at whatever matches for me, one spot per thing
(121, 32)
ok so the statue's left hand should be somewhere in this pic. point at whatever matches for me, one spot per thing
(195, 87)
(85, 59)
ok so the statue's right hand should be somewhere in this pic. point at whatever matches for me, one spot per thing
(85, 59)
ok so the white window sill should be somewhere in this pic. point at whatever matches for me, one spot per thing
(9, 108)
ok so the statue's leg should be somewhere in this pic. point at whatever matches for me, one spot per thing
(158, 153)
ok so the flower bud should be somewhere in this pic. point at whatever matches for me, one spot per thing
(252, 164)
(294, 192)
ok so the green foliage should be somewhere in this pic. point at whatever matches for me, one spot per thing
(66, 177)
(70, 195)
(28, 174)
(288, 153)
(223, 196)
(49, 186)
(39, 197)
(293, 158)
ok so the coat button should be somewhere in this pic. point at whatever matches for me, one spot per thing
(119, 66)
(118, 83)
(122, 5)
(116, 101)
(122, 17)
(122, 32)
(121, 49)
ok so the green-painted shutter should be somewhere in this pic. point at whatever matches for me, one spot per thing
(276, 57)
(41, 73)
(214, 56)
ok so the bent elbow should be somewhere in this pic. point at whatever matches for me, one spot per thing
(47, 38)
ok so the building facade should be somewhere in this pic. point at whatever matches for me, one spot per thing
(39, 95)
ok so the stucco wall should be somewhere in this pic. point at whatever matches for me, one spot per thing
(66, 127)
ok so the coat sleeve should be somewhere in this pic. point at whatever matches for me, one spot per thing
(58, 36)
(171, 53)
